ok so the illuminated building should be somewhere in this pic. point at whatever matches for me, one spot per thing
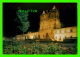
(50, 28)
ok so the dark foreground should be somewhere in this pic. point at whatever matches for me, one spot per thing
(33, 47)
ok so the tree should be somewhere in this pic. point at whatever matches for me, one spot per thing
(23, 21)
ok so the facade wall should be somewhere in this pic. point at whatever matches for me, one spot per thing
(63, 33)
(49, 21)
(20, 37)
(46, 34)
(53, 34)
(31, 35)
(50, 28)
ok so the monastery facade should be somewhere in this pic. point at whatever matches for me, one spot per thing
(51, 28)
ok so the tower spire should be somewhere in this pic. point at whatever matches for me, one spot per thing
(54, 7)
(43, 12)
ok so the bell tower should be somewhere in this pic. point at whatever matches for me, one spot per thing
(48, 22)
(54, 13)
(44, 16)
(43, 20)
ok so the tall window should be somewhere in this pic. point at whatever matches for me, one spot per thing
(71, 30)
(70, 36)
(47, 35)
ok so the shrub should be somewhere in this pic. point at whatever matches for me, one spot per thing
(24, 47)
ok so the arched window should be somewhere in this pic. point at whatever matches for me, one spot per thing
(59, 31)
(65, 37)
(43, 35)
(71, 36)
(64, 31)
(60, 38)
(55, 37)
(38, 36)
(71, 30)
(55, 31)
(47, 35)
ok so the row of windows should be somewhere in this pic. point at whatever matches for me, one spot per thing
(46, 27)
(64, 37)
(65, 31)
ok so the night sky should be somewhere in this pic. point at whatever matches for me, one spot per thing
(68, 15)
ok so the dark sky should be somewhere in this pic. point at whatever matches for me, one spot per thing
(68, 15)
